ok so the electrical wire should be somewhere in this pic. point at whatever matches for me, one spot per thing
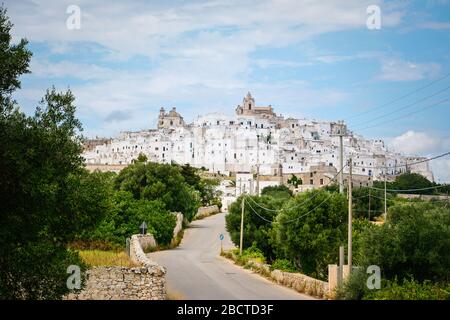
(407, 115)
(406, 164)
(405, 190)
(399, 98)
(400, 109)
(306, 200)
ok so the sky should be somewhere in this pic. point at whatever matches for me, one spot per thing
(312, 59)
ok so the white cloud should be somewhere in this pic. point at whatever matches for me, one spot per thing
(427, 145)
(46, 69)
(412, 143)
(402, 70)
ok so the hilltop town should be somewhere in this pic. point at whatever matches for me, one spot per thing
(255, 140)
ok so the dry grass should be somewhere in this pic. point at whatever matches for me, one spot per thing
(99, 258)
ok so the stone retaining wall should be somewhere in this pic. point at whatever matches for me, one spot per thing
(203, 212)
(121, 283)
(297, 281)
(179, 224)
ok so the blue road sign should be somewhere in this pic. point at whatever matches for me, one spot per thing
(221, 237)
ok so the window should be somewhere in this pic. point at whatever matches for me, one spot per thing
(321, 181)
(311, 181)
(311, 174)
(249, 106)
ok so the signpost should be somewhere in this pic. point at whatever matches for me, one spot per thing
(143, 228)
(221, 239)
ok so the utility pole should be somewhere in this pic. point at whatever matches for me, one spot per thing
(350, 216)
(385, 195)
(340, 130)
(341, 162)
(369, 203)
(242, 225)
(257, 164)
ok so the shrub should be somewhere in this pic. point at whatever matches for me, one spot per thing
(415, 241)
(164, 182)
(409, 289)
(256, 230)
(277, 192)
(284, 265)
(251, 254)
(355, 286)
(309, 229)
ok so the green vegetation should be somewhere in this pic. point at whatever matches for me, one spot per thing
(46, 197)
(257, 231)
(415, 241)
(277, 192)
(51, 207)
(99, 258)
(311, 241)
(295, 181)
(302, 233)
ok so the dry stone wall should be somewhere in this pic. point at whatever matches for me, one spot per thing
(146, 282)
(121, 283)
(203, 212)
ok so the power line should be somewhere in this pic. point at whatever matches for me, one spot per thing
(407, 115)
(405, 190)
(297, 218)
(306, 200)
(401, 108)
(406, 164)
(399, 98)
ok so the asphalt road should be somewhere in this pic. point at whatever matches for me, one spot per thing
(195, 269)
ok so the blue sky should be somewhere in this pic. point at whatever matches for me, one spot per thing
(313, 59)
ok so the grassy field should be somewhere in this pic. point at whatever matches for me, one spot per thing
(97, 258)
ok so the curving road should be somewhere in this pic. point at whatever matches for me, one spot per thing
(195, 269)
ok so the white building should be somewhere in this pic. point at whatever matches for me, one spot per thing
(254, 138)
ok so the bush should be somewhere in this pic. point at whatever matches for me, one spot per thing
(127, 215)
(415, 241)
(277, 192)
(309, 230)
(256, 230)
(355, 286)
(251, 254)
(361, 203)
(409, 289)
(284, 265)
(164, 182)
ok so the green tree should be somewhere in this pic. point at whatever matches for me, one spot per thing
(257, 222)
(155, 181)
(413, 181)
(14, 61)
(46, 197)
(361, 202)
(415, 241)
(280, 192)
(309, 230)
(295, 181)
